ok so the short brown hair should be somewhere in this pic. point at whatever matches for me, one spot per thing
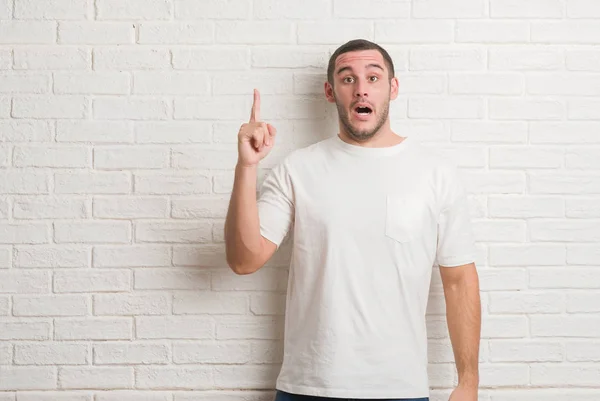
(357, 45)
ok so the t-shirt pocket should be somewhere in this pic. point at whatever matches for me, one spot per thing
(404, 217)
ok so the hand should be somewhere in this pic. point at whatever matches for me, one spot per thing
(464, 393)
(256, 138)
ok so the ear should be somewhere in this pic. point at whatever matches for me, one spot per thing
(394, 88)
(329, 92)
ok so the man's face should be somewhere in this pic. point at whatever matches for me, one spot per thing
(362, 91)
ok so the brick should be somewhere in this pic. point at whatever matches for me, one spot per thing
(172, 83)
(208, 302)
(497, 375)
(174, 378)
(135, 395)
(500, 231)
(582, 302)
(176, 33)
(526, 303)
(525, 109)
(251, 32)
(51, 354)
(272, 83)
(251, 377)
(188, 232)
(4, 311)
(52, 9)
(27, 32)
(582, 158)
(210, 59)
(531, 9)
(210, 109)
(212, 9)
(52, 58)
(198, 208)
(24, 182)
(6, 12)
(174, 328)
(583, 109)
(526, 58)
(130, 207)
(96, 232)
(123, 158)
(450, 108)
(132, 256)
(125, 304)
(49, 208)
(265, 279)
(54, 396)
(51, 156)
(93, 329)
(564, 132)
(575, 32)
(24, 282)
(94, 131)
(525, 351)
(172, 183)
(572, 84)
(62, 305)
(211, 352)
(173, 132)
(504, 327)
(24, 233)
(525, 206)
(286, 57)
(311, 9)
(564, 374)
(266, 352)
(6, 258)
(488, 83)
(583, 60)
(95, 377)
(51, 256)
(27, 378)
(566, 278)
(134, 9)
(449, 9)
(6, 354)
(196, 157)
(268, 304)
(50, 107)
(489, 131)
(5, 107)
(92, 83)
(333, 32)
(249, 327)
(96, 33)
(24, 330)
(549, 394)
(24, 83)
(582, 350)
(434, 59)
(92, 281)
(583, 254)
(131, 109)
(131, 58)
(531, 254)
(525, 157)
(564, 231)
(25, 131)
(492, 32)
(171, 279)
(116, 182)
(131, 353)
(583, 9)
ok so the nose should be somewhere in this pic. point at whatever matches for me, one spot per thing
(361, 89)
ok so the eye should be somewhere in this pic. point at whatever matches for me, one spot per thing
(373, 78)
(348, 80)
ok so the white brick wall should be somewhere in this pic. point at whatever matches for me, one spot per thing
(118, 124)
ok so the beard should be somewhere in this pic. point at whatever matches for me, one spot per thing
(365, 134)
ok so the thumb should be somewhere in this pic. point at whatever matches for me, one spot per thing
(272, 130)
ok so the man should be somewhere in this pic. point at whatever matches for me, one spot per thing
(371, 213)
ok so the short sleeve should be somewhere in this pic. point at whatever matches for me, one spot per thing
(275, 204)
(455, 245)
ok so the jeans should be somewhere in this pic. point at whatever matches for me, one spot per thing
(283, 396)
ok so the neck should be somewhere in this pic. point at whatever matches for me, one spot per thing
(383, 137)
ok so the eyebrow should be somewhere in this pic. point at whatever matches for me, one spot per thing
(350, 68)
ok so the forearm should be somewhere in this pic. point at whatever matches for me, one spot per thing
(242, 230)
(463, 313)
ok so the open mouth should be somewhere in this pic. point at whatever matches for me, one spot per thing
(363, 111)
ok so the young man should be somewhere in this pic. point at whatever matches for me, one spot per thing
(371, 214)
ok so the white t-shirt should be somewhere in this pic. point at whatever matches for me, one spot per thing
(369, 225)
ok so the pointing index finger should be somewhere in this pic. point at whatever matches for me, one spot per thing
(255, 114)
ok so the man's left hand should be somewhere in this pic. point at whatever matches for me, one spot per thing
(464, 393)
